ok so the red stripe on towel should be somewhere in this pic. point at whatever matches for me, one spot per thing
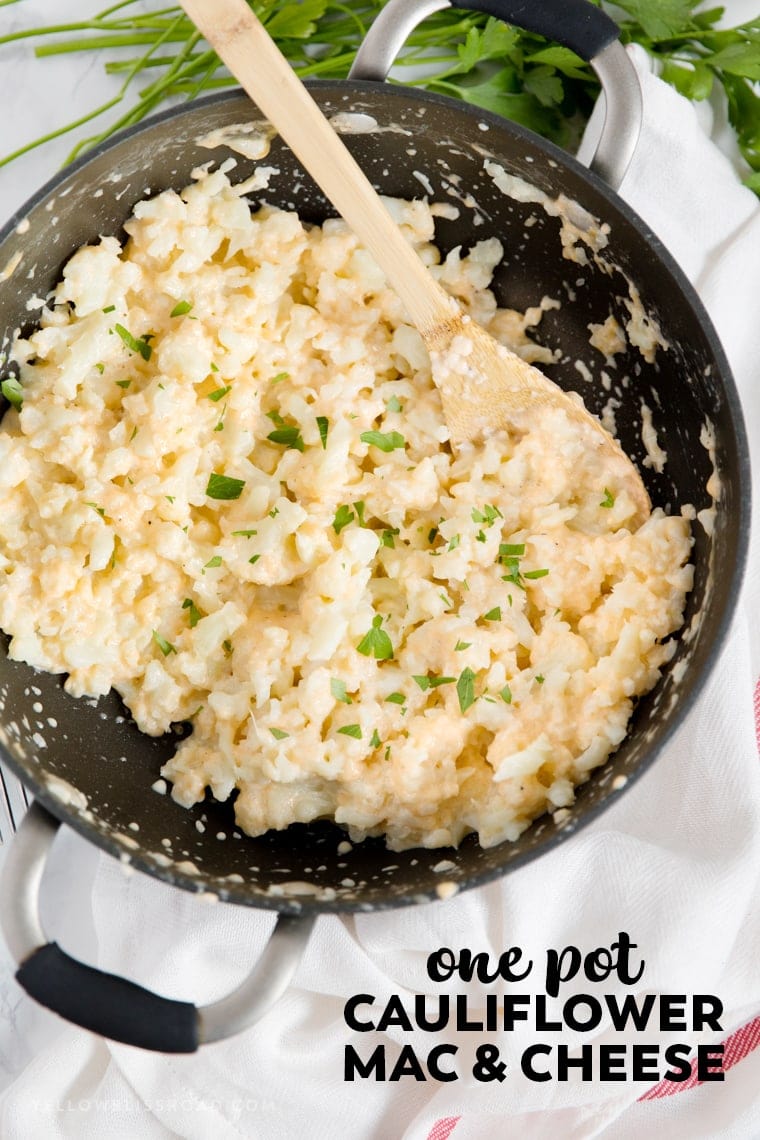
(442, 1129)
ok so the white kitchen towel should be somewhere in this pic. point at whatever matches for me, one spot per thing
(676, 863)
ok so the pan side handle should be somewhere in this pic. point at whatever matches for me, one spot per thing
(113, 1006)
(577, 24)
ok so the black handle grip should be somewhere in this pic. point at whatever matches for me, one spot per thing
(575, 23)
(111, 1006)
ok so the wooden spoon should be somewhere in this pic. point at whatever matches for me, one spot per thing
(484, 387)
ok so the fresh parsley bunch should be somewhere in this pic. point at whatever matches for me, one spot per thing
(160, 57)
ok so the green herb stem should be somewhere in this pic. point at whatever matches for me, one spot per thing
(469, 56)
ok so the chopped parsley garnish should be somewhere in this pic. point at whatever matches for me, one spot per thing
(385, 441)
(608, 500)
(488, 515)
(274, 512)
(181, 308)
(110, 309)
(95, 507)
(466, 689)
(338, 690)
(506, 695)
(224, 487)
(289, 437)
(432, 534)
(213, 563)
(462, 645)
(376, 642)
(359, 508)
(101, 368)
(254, 559)
(351, 730)
(170, 498)
(278, 734)
(540, 679)
(429, 682)
(510, 554)
(393, 404)
(324, 426)
(134, 344)
(396, 698)
(387, 537)
(480, 536)
(219, 394)
(453, 542)
(195, 614)
(493, 615)
(214, 367)
(165, 646)
(244, 533)
(375, 741)
(11, 389)
(227, 647)
(280, 377)
(343, 516)
(123, 383)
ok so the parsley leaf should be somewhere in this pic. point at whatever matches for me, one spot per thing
(165, 646)
(180, 309)
(224, 487)
(219, 393)
(608, 500)
(278, 734)
(660, 19)
(376, 642)
(338, 690)
(493, 615)
(343, 516)
(195, 614)
(429, 682)
(351, 730)
(385, 441)
(466, 689)
(396, 698)
(134, 344)
(324, 426)
(289, 436)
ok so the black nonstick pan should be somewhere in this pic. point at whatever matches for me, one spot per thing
(95, 770)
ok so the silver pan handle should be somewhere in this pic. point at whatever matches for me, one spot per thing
(112, 1006)
(575, 23)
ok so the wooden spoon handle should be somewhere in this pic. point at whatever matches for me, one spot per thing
(243, 43)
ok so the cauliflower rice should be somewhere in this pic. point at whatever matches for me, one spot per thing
(228, 494)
